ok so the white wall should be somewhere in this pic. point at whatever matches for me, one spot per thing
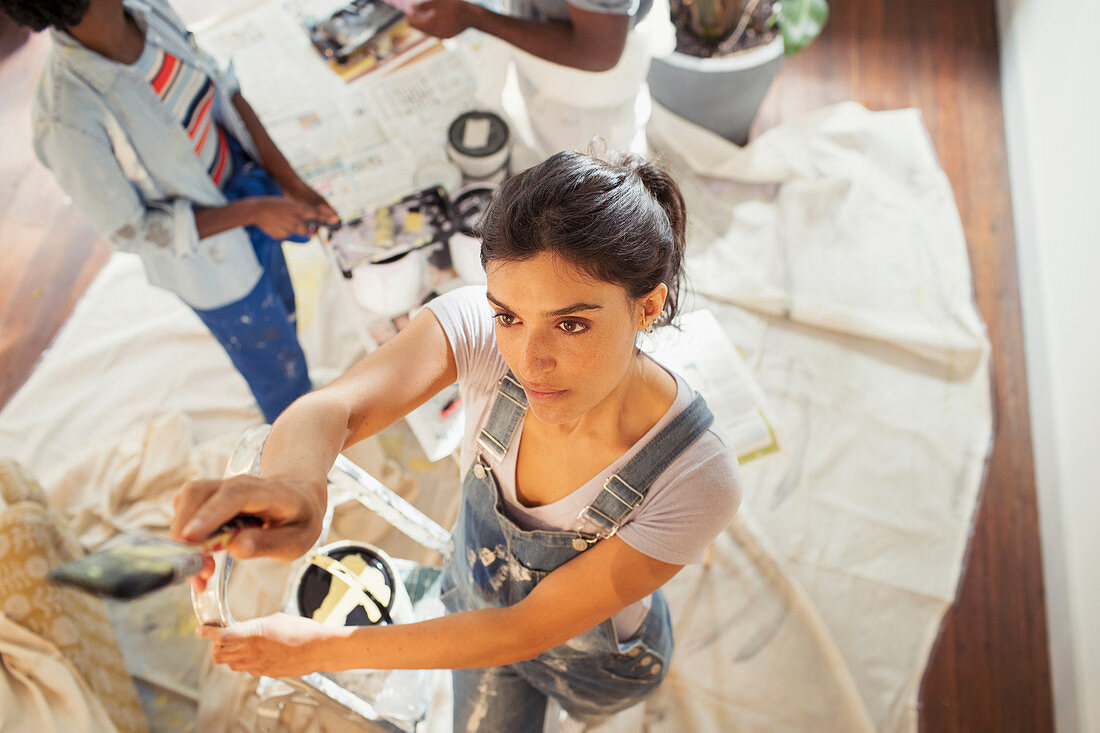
(1050, 65)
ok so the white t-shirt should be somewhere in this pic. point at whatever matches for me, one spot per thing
(686, 507)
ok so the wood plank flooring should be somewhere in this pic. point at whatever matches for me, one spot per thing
(990, 668)
(48, 254)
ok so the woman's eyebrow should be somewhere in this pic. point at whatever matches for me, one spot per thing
(567, 310)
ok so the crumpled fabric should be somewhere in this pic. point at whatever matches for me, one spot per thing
(40, 690)
(60, 663)
(831, 252)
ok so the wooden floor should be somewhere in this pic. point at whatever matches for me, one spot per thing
(990, 669)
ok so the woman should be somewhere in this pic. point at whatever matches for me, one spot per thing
(164, 156)
(591, 472)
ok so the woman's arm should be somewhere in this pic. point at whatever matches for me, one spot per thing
(587, 590)
(589, 41)
(290, 494)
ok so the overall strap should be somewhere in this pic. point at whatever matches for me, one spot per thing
(509, 407)
(624, 490)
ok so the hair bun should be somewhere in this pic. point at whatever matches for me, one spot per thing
(662, 187)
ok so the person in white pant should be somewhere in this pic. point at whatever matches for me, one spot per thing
(581, 65)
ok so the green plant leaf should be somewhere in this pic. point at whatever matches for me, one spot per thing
(800, 22)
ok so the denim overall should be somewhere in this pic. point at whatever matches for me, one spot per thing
(496, 564)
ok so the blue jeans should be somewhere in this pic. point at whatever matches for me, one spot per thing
(259, 332)
(497, 563)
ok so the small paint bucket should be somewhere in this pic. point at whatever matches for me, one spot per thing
(466, 257)
(324, 596)
(464, 245)
(390, 287)
(479, 143)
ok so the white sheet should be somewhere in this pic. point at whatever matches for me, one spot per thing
(840, 231)
(818, 609)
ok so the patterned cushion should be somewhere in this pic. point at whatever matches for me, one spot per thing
(31, 544)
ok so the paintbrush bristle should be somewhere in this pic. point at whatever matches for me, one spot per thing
(131, 567)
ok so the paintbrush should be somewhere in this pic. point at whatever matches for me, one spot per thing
(134, 565)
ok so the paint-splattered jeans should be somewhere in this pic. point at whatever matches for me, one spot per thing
(259, 331)
(593, 675)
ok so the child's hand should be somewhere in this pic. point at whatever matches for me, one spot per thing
(280, 217)
(322, 209)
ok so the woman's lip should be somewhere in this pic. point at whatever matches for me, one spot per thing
(543, 394)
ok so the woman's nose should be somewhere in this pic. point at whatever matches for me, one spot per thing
(537, 358)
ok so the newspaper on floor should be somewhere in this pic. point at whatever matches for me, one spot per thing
(360, 143)
(703, 355)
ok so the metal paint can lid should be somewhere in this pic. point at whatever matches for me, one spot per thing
(479, 142)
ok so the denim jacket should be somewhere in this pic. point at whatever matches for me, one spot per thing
(132, 169)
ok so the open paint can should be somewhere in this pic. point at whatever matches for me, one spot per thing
(465, 246)
(479, 143)
(390, 287)
(350, 583)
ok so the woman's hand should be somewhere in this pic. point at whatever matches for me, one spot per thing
(441, 18)
(281, 217)
(301, 192)
(276, 646)
(292, 512)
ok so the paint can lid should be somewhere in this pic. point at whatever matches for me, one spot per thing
(478, 134)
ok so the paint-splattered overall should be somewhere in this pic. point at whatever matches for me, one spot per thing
(259, 331)
(496, 563)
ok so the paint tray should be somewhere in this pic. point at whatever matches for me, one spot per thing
(372, 700)
(391, 231)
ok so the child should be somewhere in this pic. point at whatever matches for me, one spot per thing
(164, 156)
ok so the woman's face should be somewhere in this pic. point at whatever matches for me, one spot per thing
(568, 337)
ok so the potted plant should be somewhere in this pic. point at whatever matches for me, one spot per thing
(727, 53)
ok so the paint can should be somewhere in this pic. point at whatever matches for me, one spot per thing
(390, 287)
(464, 244)
(349, 583)
(479, 142)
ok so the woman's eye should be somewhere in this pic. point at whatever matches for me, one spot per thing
(572, 327)
(504, 319)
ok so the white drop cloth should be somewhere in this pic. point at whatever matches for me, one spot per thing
(831, 252)
(840, 230)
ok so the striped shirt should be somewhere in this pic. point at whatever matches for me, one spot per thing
(188, 94)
